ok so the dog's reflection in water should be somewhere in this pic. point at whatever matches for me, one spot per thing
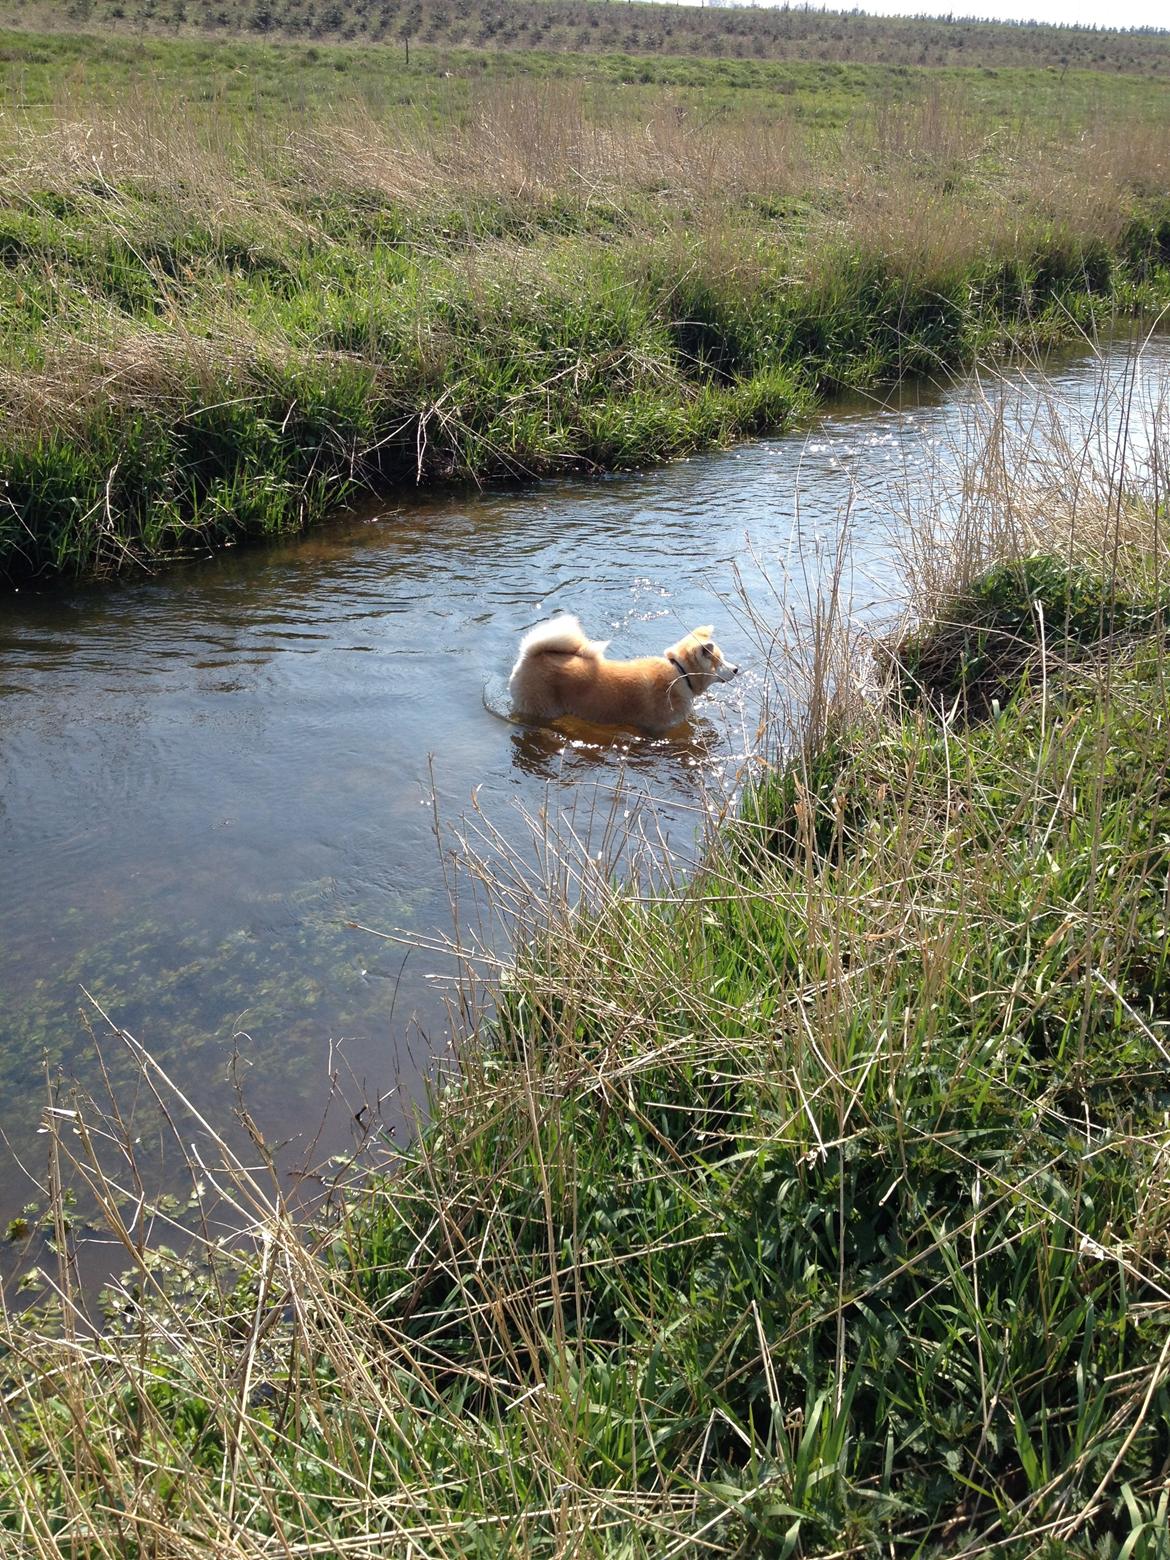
(573, 748)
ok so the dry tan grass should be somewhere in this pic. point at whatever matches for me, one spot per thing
(893, 166)
(1035, 476)
(121, 365)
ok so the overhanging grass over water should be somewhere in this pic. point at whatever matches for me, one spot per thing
(219, 323)
(817, 1205)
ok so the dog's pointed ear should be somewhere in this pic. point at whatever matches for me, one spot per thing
(706, 632)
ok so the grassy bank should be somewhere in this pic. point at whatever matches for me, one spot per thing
(219, 319)
(814, 1206)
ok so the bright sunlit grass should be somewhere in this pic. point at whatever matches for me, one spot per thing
(218, 320)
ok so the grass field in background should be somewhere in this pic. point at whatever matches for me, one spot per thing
(228, 303)
(576, 27)
(289, 75)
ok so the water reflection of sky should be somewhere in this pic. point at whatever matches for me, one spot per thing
(207, 776)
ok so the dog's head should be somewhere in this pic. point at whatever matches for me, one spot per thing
(701, 660)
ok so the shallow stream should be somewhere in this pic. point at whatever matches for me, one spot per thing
(208, 775)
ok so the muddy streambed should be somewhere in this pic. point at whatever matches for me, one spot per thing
(207, 776)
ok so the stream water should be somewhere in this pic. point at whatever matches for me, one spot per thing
(206, 777)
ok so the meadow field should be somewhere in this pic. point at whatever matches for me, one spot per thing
(646, 29)
(243, 282)
(812, 1203)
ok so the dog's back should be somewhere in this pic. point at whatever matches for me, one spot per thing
(545, 664)
(560, 671)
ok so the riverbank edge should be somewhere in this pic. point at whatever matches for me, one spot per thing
(224, 448)
(817, 1205)
(783, 1208)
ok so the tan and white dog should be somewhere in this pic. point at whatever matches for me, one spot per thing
(560, 672)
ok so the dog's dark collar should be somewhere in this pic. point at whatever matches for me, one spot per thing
(682, 672)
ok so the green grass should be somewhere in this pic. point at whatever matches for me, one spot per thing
(226, 307)
(382, 366)
(241, 74)
(817, 1206)
(174, 382)
(831, 1190)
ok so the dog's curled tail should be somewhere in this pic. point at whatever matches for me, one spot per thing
(559, 636)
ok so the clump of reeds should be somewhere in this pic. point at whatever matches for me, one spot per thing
(1049, 548)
